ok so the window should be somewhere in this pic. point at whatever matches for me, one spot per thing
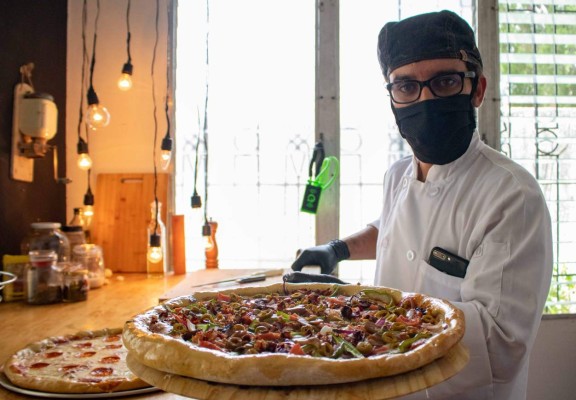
(538, 87)
(259, 72)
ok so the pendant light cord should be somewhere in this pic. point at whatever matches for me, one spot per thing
(128, 35)
(155, 119)
(205, 128)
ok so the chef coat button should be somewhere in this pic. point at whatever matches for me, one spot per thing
(410, 255)
(434, 191)
(404, 182)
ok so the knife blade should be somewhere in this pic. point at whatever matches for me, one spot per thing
(257, 276)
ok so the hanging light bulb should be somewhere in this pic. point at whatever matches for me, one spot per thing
(88, 205)
(97, 115)
(166, 151)
(207, 235)
(154, 254)
(125, 80)
(84, 160)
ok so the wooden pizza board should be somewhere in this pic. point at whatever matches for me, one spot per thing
(121, 217)
(373, 389)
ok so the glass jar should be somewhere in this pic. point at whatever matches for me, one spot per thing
(44, 280)
(91, 258)
(75, 235)
(47, 236)
(75, 283)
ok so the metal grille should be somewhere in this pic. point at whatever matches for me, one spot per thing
(538, 88)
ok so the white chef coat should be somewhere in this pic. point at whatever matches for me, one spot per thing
(490, 211)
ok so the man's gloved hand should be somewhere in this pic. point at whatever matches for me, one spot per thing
(302, 277)
(326, 256)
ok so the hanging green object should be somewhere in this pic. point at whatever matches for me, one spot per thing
(328, 172)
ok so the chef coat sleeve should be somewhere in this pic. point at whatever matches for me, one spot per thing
(505, 289)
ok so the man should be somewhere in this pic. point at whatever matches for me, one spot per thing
(458, 194)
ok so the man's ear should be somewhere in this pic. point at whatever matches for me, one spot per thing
(480, 92)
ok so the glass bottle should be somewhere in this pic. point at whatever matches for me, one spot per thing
(79, 220)
(156, 241)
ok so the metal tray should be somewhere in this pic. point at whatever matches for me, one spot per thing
(5, 382)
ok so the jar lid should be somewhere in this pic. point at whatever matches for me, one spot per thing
(87, 249)
(45, 225)
(72, 228)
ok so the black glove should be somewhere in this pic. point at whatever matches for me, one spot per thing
(326, 256)
(301, 277)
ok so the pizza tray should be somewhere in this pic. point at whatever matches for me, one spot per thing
(373, 389)
(5, 383)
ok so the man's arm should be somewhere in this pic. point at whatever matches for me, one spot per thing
(362, 244)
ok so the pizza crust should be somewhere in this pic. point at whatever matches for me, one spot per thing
(50, 379)
(164, 353)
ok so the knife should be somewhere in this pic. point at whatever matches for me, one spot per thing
(253, 277)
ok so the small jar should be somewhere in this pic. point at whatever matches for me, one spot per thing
(47, 236)
(75, 235)
(76, 284)
(44, 280)
(91, 258)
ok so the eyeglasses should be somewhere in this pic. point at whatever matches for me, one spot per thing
(445, 85)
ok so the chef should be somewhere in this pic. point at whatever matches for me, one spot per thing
(460, 220)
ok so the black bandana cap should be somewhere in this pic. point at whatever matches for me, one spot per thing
(427, 36)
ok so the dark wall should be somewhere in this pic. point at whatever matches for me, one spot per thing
(31, 31)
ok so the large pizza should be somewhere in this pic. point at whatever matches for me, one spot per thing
(294, 334)
(86, 362)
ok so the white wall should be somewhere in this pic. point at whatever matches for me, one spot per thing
(126, 145)
(553, 360)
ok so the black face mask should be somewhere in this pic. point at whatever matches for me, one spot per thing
(439, 130)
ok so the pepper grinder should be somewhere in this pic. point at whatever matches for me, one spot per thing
(211, 247)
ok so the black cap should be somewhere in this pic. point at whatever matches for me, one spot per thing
(428, 36)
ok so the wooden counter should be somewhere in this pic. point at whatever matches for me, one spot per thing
(109, 306)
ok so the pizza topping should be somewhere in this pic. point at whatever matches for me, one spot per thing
(102, 371)
(83, 345)
(53, 354)
(306, 322)
(39, 365)
(86, 354)
(73, 367)
(110, 360)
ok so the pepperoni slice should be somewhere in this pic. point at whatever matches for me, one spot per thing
(112, 338)
(53, 354)
(110, 360)
(17, 369)
(113, 346)
(83, 345)
(102, 371)
(39, 365)
(68, 370)
(86, 354)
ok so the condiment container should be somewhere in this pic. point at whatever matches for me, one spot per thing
(47, 236)
(75, 235)
(17, 265)
(44, 280)
(91, 258)
(75, 282)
